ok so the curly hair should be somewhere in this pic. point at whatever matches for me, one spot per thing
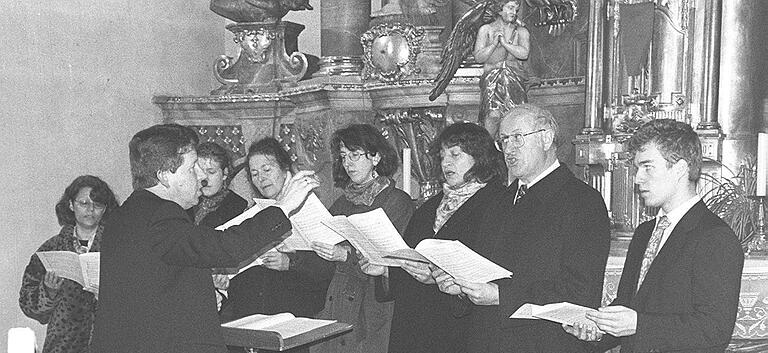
(675, 140)
(475, 141)
(368, 139)
(158, 148)
(100, 193)
(270, 147)
(497, 5)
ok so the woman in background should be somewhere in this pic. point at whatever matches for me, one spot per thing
(62, 304)
(472, 170)
(363, 166)
(217, 204)
(293, 282)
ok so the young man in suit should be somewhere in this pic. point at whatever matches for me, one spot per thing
(156, 290)
(679, 290)
(551, 230)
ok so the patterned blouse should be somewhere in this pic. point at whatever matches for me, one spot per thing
(70, 311)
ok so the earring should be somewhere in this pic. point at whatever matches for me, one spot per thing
(374, 174)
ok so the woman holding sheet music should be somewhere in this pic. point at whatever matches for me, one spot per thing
(293, 282)
(217, 204)
(62, 303)
(425, 319)
(363, 166)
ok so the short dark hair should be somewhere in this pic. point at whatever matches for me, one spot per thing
(216, 153)
(268, 146)
(100, 193)
(675, 140)
(367, 138)
(158, 148)
(475, 141)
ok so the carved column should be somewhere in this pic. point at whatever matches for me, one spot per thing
(594, 102)
(341, 24)
(742, 72)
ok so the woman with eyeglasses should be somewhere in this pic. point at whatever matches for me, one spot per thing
(62, 304)
(472, 171)
(363, 166)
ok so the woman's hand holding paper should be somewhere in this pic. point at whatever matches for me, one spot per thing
(445, 282)
(369, 268)
(480, 293)
(275, 260)
(330, 252)
(419, 271)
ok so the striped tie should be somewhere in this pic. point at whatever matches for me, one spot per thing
(521, 190)
(653, 248)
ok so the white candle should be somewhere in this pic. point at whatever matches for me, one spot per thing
(762, 163)
(21, 340)
(407, 170)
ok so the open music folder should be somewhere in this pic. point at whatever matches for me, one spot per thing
(279, 332)
(455, 258)
(81, 268)
(306, 228)
(562, 313)
(371, 233)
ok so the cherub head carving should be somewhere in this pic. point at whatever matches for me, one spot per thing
(255, 44)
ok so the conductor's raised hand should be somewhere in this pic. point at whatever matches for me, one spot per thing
(445, 282)
(419, 271)
(480, 293)
(296, 191)
(328, 252)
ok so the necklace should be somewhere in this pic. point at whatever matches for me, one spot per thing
(79, 247)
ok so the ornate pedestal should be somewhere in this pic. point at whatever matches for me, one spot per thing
(262, 65)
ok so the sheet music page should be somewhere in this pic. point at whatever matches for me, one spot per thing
(342, 226)
(308, 221)
(562, 313)
(89, 262)
(407, 254)
(297, 326)
(259, 321)
(66, 264)
(380, 231)
(259, 205)
(460, 261)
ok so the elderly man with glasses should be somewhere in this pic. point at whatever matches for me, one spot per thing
(551, 231)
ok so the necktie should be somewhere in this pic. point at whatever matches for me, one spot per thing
(653, 247)
(521, 190)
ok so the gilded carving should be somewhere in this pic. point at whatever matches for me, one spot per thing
(390, 51)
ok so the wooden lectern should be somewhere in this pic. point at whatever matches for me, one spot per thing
(269, 341)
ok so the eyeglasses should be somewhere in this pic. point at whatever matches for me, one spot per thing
(86, 204)
(517, 140)
(353, 156)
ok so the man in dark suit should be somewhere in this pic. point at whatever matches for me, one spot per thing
(551, 230)
(156, 290)
(679, 290)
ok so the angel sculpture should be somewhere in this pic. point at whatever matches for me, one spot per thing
(501, 44)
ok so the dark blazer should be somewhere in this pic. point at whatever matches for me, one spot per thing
(690, 295)
(232, 206)
(425, 319)
(156, 292)
(555, 240)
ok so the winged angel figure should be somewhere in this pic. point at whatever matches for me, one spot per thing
(492, 32)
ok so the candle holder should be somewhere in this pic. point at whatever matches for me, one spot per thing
(757, 245)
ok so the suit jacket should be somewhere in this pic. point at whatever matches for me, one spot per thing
(156, 291)
(231, 206)
(555, 240)
(425, 319)
(689, 297)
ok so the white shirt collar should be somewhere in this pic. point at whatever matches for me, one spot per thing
(543, 174)
(674, 216)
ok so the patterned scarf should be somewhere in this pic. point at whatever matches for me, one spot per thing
(71, 243)
(209, 204)
(364, 194)
(453, 198)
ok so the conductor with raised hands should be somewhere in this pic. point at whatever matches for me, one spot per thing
(156, 292)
